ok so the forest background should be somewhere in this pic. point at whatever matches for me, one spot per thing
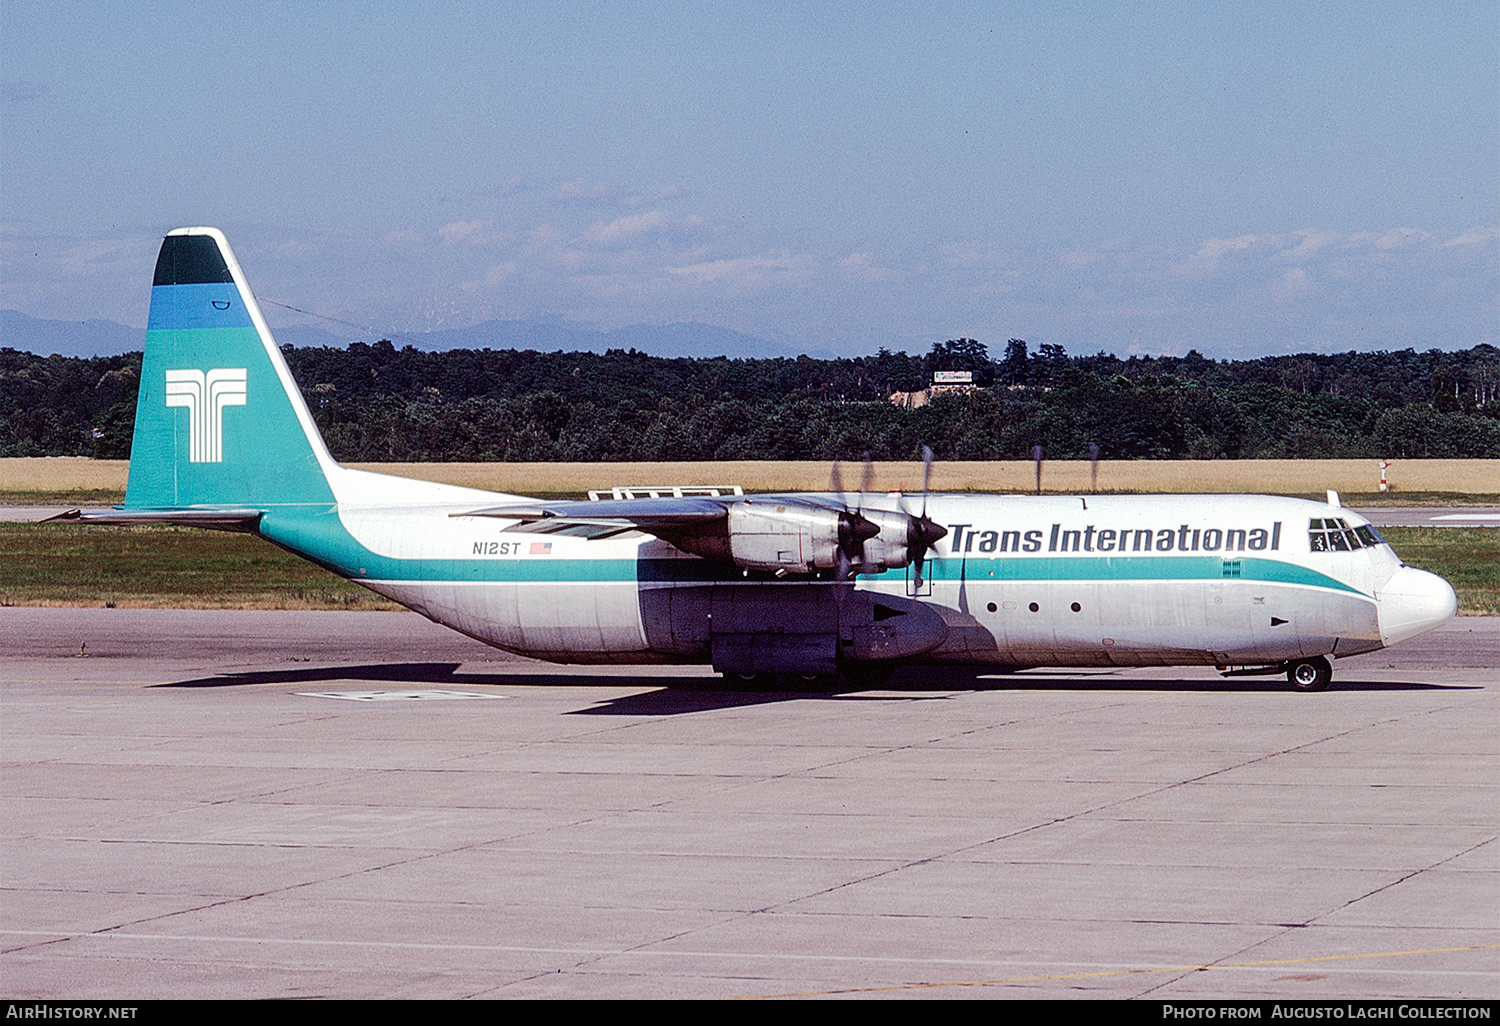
(378, 403)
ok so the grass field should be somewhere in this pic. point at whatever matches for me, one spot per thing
(159, 566)
(180, 567)
(163, 566)
(1467, 557)
(101, 482)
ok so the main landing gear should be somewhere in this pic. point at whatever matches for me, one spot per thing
(862, 676)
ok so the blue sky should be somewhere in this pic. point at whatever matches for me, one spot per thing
(1242, 178)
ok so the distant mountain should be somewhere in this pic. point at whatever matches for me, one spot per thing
(550, 335)
(67, 338)
(107, 338)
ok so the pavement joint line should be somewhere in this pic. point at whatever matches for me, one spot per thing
(1120, 972)
(656, 952)
(1054, 821)
(1292, 927)
(1402, 879)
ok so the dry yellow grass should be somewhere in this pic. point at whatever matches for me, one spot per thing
(63, 474)
(1211, 476)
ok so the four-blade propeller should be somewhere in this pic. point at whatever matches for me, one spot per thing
(921, 534)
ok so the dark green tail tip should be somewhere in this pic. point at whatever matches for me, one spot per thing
(190, 260)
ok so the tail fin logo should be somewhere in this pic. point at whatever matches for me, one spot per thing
(205, 395)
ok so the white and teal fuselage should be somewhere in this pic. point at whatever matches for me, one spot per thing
(572, 599)
(222, 431)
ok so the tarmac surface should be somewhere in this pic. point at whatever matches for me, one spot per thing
(364, 805)
(1432, 516)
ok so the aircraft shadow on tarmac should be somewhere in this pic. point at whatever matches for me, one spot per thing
(675, 695)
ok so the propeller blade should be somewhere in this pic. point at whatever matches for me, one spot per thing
(836, 483)
(843, 571)
(922, 532)
(867, 479)
(926, 477)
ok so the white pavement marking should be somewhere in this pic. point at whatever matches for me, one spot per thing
(394, 696)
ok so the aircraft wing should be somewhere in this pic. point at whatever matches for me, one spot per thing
(650, 515)
(780, 534)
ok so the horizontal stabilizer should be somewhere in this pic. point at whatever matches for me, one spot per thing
(212, 519)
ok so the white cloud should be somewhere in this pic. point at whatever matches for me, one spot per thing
(1212, 249)
(1311, 242)
(1241, 295)
(1393, 239)
(755, 272)
(1293, 284)
(626, 227)
(861, 267)
(1479, 235)
(576, 190)
(462, 231)
(965, 254)
(586, 193)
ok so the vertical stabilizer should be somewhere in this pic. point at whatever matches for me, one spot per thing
(219, 420)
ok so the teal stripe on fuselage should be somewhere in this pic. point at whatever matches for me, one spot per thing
(1127, 568)
(319, 534)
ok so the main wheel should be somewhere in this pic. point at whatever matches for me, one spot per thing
(1310, 674)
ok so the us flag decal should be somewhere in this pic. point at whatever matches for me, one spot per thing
(541, 548)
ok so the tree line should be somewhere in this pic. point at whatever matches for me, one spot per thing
(380, 403)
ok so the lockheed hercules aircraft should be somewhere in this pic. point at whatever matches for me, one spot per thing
(755, 585)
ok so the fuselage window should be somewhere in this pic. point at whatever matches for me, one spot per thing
(1332, 534)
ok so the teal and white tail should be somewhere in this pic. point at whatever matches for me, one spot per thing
(219, 421)
(223, 439)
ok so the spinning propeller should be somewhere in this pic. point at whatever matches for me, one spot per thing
(922, 532)
(855, 528)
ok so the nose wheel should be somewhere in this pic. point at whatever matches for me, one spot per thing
(1309, 674)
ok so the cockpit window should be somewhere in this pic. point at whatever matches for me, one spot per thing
(1333, 534)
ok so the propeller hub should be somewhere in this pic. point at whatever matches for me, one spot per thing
(855, 530)
(924, 532)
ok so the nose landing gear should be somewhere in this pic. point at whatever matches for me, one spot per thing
(1309, 674)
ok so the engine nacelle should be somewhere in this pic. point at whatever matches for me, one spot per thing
(785, 537)
(890, 548)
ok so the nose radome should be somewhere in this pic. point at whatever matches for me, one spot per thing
(1412, 602)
